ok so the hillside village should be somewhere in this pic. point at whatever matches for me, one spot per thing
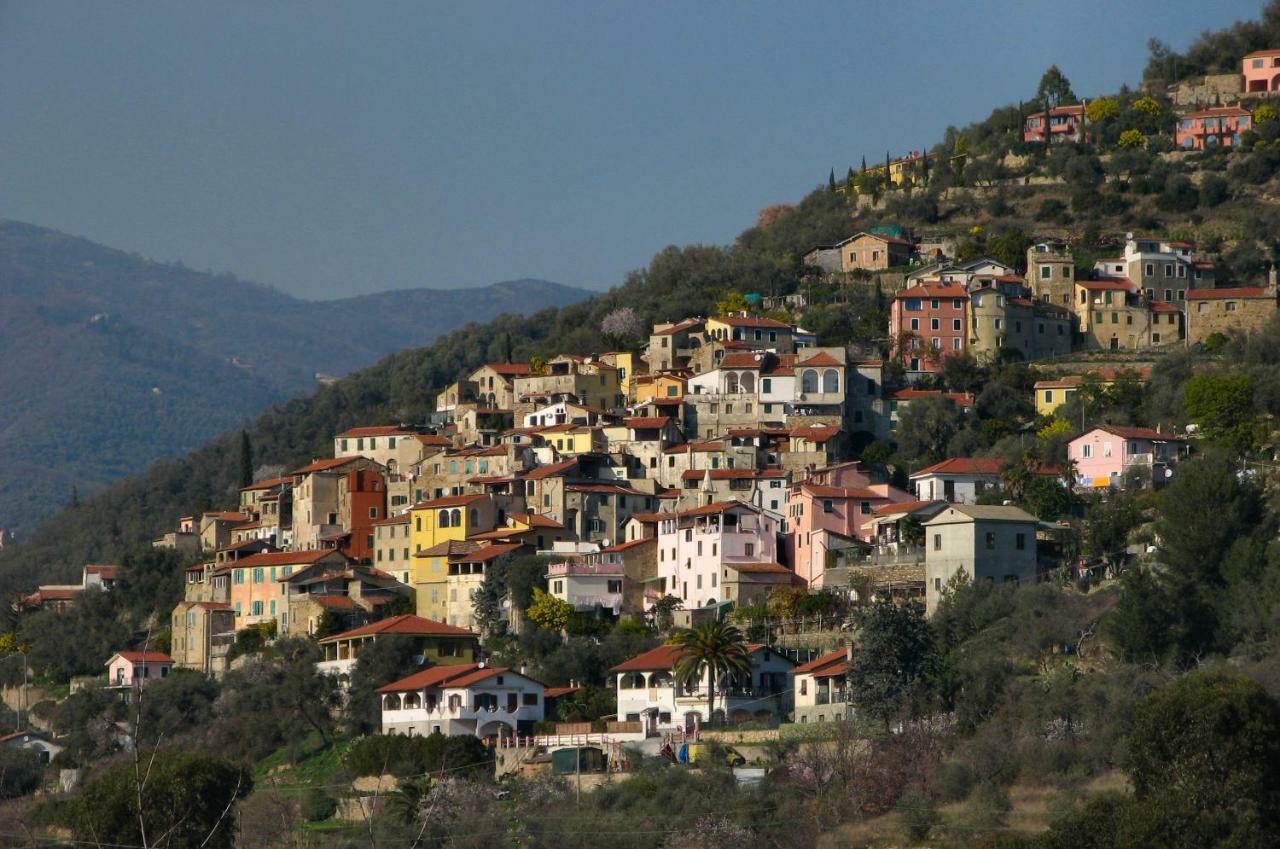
(725, 532)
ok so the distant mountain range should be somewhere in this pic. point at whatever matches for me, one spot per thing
(109, 361)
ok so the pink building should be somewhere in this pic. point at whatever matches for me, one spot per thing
(1220, 127)
(830, 510)
(1106, 453)
(1061, 123)
(137, 668)
(1260, 71)
(697, 547)
(929, 322)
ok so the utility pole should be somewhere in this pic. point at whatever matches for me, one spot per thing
(577, 771)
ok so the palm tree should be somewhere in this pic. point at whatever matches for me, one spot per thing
(718, 647)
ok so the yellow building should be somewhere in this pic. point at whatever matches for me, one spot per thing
(570, 439)
(657, 387)
(434, 525)
(1054, 392)
(626, 363)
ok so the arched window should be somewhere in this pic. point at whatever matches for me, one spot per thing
(748, 383)
(731, 383)
(830, 381)
(443, 520)
(392, 702)
(455, 516)
(412, 701)
(809, 381)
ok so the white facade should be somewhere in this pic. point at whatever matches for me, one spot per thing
(650, 695)
(453, 703)
(694, 545)
(586, 585)
(956, 488)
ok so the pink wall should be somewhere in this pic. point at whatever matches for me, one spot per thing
(952, 305)
(1109, 455)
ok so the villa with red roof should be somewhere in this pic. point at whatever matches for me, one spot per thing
(136, 669)
(1059, 124)
(820, 688)
(648, 692)
(1208, 128)
(958, 480)
(489, 702)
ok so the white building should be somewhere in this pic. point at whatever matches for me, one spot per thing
(588, 585)
(959, 480)
(695, 546)
(471, 699)
(821, 694)
(648, 693)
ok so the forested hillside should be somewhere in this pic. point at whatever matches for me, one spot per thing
(108, 361)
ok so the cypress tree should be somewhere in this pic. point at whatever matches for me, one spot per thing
(831, 180)
(246, 459)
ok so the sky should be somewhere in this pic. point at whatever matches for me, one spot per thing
(332, 149)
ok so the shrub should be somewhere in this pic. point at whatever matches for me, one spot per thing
(398, 755)
(318, 805)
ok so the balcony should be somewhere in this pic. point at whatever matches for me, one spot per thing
(612, 568)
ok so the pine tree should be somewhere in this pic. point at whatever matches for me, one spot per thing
(864, 165)
(246, 459)
(831, 180)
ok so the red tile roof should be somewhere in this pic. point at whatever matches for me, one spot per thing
(103, 570)
(1147, 433)
(747, 321)
(906, 507)
(267, 484)
(1238, 292)
(820, 359)
(448, 548)
(463, 675)
(818, 664)
(1216, 112)
(553, 470)
(402, 519)
(143, 657)
(283, 558)
(650, 423)
(816, 433)
(335, 601)
(485, 553)
(534, 520)
(554, 692)
(704, 445)
(1110, 284)
(374, 430)
(687, 324)
(963, 466)
(325, 465)
(434, 439)
(934, 290)
(1163, 306)
(627, 546)
(449, 501)
(409, 624)
(509, 369)
(743, 359)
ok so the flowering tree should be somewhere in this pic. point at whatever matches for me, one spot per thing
(621, 326)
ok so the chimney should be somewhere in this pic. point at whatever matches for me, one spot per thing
(1272, 280)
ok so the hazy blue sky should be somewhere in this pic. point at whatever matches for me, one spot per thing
(330, 149)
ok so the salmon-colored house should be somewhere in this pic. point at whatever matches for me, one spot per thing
(1260, 71)
(1220, 127)
(929, 323)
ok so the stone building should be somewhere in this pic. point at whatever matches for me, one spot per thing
(1246, 309)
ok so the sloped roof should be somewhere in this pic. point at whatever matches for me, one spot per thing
(450, 501)
(1134, 433)
(817, 666)
(665, 657)
(375, 430)
(934, 290)
(1237, 292)
(461, 675)
(984, 512)
(141, 657)
(283, 558)
(963, 466)
(409, 624)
